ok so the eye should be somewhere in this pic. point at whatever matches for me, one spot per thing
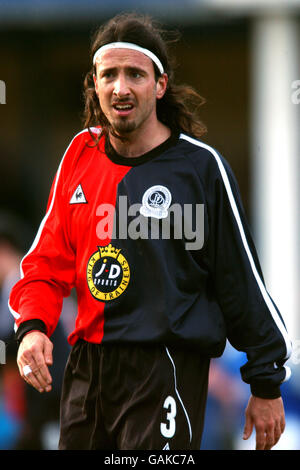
(106, 75)
(136, 74)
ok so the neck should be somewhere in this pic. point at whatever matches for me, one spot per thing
(138, 142)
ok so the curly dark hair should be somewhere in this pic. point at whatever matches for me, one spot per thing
(178, 109)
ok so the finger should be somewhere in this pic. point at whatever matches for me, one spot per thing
(20, 366)
(247, 428)
(48, 353)
(35, 355)
(260, 438)
(282, 424)
(41, 369)
(40, 378)
(31, 379)
(34, 378)
(270, 440)
(277, 433)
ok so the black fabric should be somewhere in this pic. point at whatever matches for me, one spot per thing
(133, 398)
(169, 290)
(146, 157)
(27, 326)
(263, 391)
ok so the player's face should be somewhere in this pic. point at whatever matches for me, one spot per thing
(127, 90)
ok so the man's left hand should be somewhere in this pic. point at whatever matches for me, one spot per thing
(267, 416)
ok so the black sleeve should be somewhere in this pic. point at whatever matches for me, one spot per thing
(254, 324)
(27, 326)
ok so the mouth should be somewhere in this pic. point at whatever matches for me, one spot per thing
(123, 109)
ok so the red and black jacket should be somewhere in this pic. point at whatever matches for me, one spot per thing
(103, 234)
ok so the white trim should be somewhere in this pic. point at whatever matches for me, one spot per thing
(235, 211)
(288, 373)
(129, 45)
(177, 393)
(39, 233)
(16, 315)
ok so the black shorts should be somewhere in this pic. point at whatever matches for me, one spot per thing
(133, 397)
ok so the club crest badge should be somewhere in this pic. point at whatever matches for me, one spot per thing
(108, 273)
(156, 202)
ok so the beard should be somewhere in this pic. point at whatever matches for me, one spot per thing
(123, 126)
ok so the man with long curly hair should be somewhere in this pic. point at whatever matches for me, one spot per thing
(146, 222)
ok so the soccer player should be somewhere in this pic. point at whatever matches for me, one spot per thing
(146, 222)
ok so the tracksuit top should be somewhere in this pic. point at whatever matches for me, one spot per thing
(159, 251)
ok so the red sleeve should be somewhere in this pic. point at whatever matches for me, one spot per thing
(48, 269)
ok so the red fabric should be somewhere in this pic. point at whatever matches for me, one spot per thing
(57, 260)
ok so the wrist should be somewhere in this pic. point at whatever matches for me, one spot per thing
(31, 331)
(264, 391)
(29, 326)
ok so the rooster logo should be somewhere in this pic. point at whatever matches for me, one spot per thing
(78, 196)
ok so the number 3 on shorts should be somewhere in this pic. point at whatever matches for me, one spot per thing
(168, 429)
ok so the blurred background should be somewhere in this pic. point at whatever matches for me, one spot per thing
(243, 58)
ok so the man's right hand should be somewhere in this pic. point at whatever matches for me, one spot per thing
(35, 351)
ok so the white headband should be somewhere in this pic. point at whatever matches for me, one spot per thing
(129, 45)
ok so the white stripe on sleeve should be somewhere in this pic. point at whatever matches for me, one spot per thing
(235, 211)
(16, 315)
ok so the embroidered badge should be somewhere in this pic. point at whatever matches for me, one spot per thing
(108, 273)
(156, 202)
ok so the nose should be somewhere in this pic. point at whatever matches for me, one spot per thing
(121, 88)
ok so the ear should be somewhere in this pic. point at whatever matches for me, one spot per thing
(161, 86)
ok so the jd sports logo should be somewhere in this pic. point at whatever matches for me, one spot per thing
(108, 273)
(78, 196)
